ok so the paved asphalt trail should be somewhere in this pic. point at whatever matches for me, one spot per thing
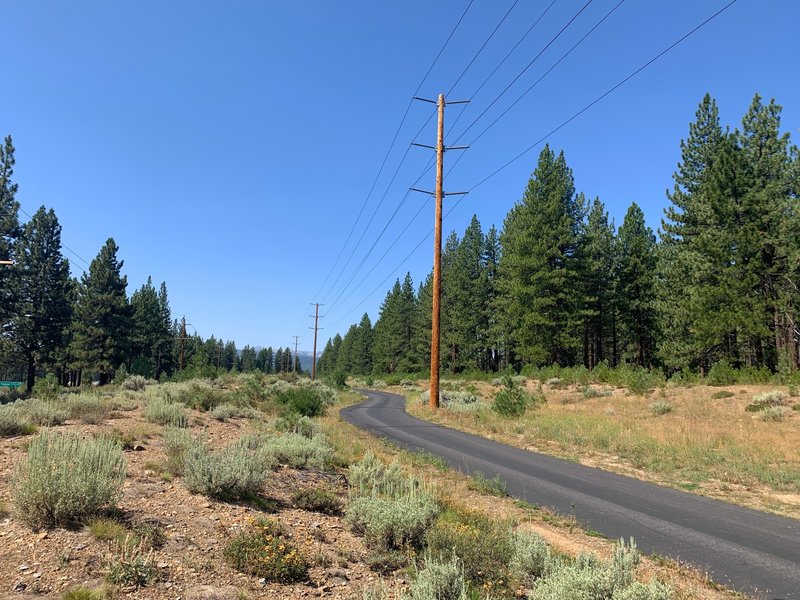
(752, 552)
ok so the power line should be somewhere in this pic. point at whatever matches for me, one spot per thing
(528, 66)
(542, 139)
(606, 93)
(386, 157)
(535, 83)
(63, 245)
(394, 139)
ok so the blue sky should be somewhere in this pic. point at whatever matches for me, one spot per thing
(228, 147)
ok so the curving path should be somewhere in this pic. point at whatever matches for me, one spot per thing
(750, 551)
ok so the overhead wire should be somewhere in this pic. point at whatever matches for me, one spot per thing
(63, 245)
(543, 138)
(388, 152)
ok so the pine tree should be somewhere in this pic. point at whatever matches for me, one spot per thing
(538, 267)
(493, 340)
(680, 262)
(103, 323)
(230, 357)
(248, 359)
(392, 341)
(42, 309)
(147, 334)
(361, 351)
(278, 361)
(636, 297)
(598, 271)
(9, 227)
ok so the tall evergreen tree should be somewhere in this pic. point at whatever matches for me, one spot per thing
(9, 227)
(538, 267)
(41, 278)
(248, 359)
(103, 322)
(149, 336)
(636, 295)
(598, 271)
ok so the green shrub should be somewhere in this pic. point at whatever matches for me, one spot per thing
(88, 408)
(134, 383)
(774, 413)
(14, 422)
(766, 400)
(317, 500)
(530, 557)
(722, 394)
(512, 400)
(66, 479)
(721, 374)
(465, 401)
(83, 593)
(46, 388)
(132, 564)
(47, 413)
(379, 384)
(298, 451)
(235, 471)
(339, 379)
(589, 578)
(392, 523)
(177, 444)
(302, 400)
(660, 407)
(483, 545)
(496, 486)
(654, 590)
(264, 550)
(294, 423)
(371, 476)
(224, 412)
(793, 392)
(165, 412)
(440, 580)
(590, 392)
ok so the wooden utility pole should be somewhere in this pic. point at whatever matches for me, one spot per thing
(437, 245)
(314, 356)
(437, 261)
(294, 365)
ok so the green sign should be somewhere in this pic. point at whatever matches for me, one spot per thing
(11, 384)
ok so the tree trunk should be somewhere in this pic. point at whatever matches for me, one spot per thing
(31, 369)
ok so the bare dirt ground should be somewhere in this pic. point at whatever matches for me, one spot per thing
(191, 567)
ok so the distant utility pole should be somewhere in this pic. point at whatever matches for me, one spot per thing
(437, 243)
(316, 328)
(183, 343)
(294, 365)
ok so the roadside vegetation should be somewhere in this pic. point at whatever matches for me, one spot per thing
(299, 497)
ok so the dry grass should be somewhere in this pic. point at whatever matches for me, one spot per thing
(704, 444)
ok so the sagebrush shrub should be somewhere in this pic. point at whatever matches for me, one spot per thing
(47, 413)
(165, 412)
(440, 579)
(264, 550)
(235, 471)
(317, 500)
(134, 383)
(660, 407)
(766, 400)
(530, 557)
(774, 413)
(223, 412)
(371, 476)
(496, 486)
(66, 479)
(392, 523)
(483, 545)
(88, 408)
(177, 443)
(297, 451)
(294, 423)
(14, 422)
